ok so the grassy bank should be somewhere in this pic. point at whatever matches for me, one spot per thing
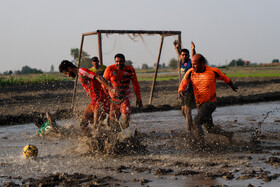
(15, 80)
(250, 71)
(143, 75)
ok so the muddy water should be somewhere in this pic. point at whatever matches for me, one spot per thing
(172, 158)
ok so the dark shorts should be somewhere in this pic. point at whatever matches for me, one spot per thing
(188, 99)
(204, 114)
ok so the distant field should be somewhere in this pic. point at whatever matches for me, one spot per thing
(14, 80)
(143, 75)
(252, 71)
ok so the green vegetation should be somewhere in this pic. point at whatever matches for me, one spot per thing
(160, 77)
(252, 71)
(14, 80)
(143, 75)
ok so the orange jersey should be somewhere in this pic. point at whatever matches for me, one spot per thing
(92, 86)
(120, 80)
(204, 84)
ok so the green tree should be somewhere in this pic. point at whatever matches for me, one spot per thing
(52, 68)
(85, 58)
(28, 70)
(129, 62)
(145, 66)
(10, 72)
(159, 65)
(275, 61)
(238, 62)
(173, 63)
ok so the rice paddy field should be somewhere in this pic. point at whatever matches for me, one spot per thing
(143, 75)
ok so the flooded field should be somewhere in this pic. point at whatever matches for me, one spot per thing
(172, 159)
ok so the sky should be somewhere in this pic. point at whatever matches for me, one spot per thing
(41, 33)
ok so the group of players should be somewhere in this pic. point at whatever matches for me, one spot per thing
(109, 89)
(110, 92)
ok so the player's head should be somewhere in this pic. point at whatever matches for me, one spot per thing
(95, 62)
(67, 68)
(198, 63)
(120, 61)
(184, 55)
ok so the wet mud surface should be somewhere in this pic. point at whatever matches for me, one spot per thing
(158, 151)
(171, 157)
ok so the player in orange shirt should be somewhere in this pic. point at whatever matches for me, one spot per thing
(92, 84)
(203, 79)
(120, 75)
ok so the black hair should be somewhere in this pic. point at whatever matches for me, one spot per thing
(65, 64)
(184, 50)
(119, 55)
(95, 59)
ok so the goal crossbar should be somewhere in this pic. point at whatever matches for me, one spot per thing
(162, 33)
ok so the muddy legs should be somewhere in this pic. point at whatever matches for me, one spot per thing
(186, 110)
(204, 116)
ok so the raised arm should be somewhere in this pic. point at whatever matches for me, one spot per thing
(177, 47)
(193, 48)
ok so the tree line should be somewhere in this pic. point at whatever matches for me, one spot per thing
(86, 63)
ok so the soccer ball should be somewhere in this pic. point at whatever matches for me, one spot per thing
(30, 151)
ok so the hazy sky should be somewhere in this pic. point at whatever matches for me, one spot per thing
(41, 33)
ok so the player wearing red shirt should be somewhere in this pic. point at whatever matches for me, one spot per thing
(92, 85)
(120, 75)
(203, 79)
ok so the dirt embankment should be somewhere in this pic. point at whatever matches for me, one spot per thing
(20, 104)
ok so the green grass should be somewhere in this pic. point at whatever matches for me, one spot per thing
(252, 71)
(14, 80)
(142, 75)
(253, 75)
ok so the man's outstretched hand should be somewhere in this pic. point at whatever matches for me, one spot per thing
(192, 45)
(176, 44)
(181, 94)
(233, 86)
(139, 104)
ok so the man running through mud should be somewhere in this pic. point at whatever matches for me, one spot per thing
(92, 84)
(120, 75)
(188, 98)
(203, 79)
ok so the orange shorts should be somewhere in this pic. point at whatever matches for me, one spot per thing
(94, 106)
(123, 108)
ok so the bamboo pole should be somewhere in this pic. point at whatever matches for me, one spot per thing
(154, 82)
(139, 32)
(99, 39)
(178, 54)
(165, 33)
(76, 78)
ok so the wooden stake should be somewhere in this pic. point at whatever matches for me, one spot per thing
(100, 47)
(154, 82)
(178, 55)
(76, 78)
